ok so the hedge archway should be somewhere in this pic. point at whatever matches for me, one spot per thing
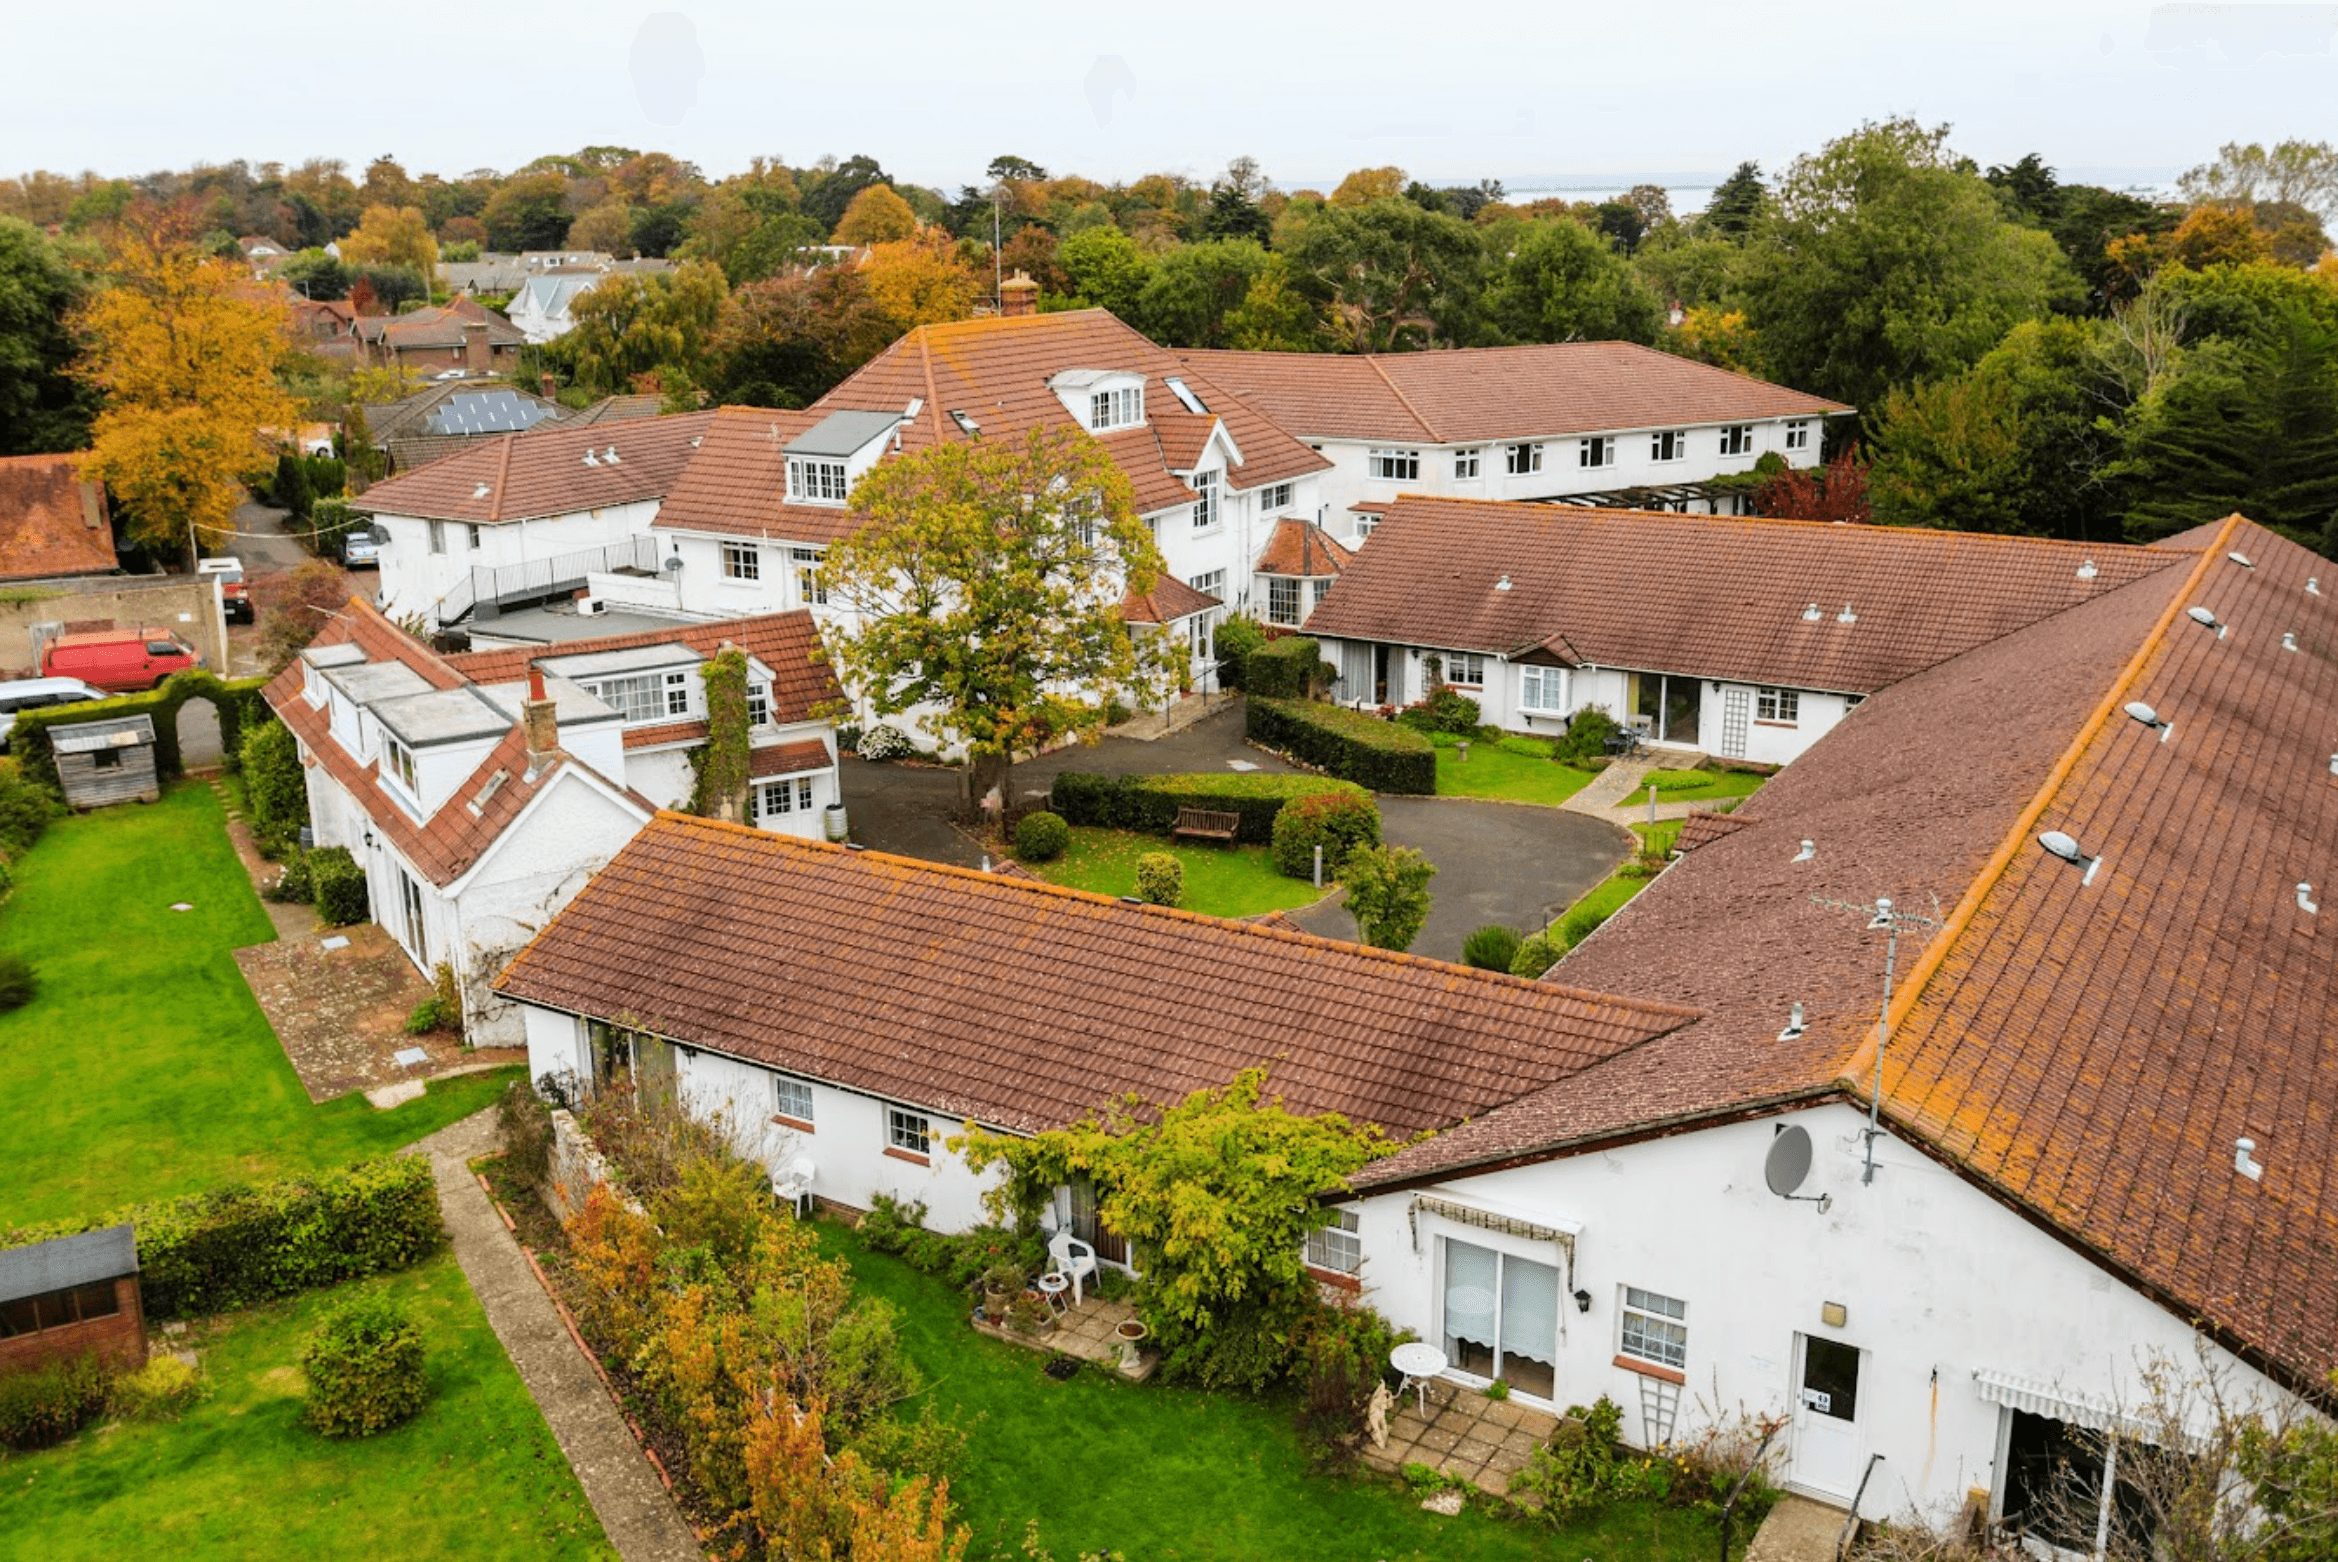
(232, 699)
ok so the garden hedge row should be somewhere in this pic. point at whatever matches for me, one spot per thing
(238, 702)
(1378, 755)
(1282, 669)
(239, 1245)
(1149, 803)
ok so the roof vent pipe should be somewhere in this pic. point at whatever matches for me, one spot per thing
(2313, 585)
(2305, 900)
(2087, 571)
(1503, 584)
(1846, 616)
(1794, 1026)
(1810, 614)
(2244, 1160)
(2206, 620)
(2289, 641)
(1810, 848)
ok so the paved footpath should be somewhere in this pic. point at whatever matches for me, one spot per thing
(1617, 796)
(635, 1510)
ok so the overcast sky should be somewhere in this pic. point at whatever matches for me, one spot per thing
(1449, 91)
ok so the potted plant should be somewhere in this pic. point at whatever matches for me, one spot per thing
(1002, 1282)
(1027, 1314)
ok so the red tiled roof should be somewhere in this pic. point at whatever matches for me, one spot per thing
(447, 844)
(1170, 600)
(440, 325)
(1489, 393)
(2089, 1052)
(788, 759)
(667, 732)
(997, 370)
(1703, 827)
(1300, 547)
(51, 522)
(735, 484)
(543, 472)
(787, 643)
(1708, 596)
(1026, 1005)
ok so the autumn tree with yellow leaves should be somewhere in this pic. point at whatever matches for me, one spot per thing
(392, 236)
(184, 348)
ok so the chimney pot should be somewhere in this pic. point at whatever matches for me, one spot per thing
(1019, 295)
(541, 716)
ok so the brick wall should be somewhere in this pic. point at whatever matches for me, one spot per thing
(120, 1341)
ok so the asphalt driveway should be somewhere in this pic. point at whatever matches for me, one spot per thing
(1496, 862)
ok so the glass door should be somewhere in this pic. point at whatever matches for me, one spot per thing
(1502, 1317)
(1826, 1417)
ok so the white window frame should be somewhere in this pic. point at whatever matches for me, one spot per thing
(909, 1131)
(1783, 706)
(1798, 434)
(1654, 1328)
(471, 537)
(1273, 497)
(1393, 466)
(811, 591)
(1366, 525)
(437, 536)
(1209, 583)
(1284, 602)
(1114, 409)
(1321, 589)
(398, 764)
(1208, 506)
(788, 1094)
(816, 480)
(1597, 450)
(1521, 460)
(1337, 1248)
(770, 799)
(1669, 444)
(1465, 669)
(644, 697)
(759, 705)
(742, 561)
(1467, 464)
(1737, 439)
(1543, 689)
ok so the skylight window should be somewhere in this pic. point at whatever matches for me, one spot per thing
(1184, 394)
(966, 425)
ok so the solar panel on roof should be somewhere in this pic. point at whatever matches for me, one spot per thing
(488, 412)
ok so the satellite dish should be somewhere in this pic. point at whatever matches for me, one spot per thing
(1788, 1162)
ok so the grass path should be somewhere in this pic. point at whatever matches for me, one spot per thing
(1220, 881)
(476, 1475)
(145, 1068)
(1170, 1474)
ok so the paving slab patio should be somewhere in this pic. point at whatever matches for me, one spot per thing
(1462, 1434)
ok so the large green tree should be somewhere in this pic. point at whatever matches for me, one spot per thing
(982, 595)
(43, 406)
(1386, 274)
(530, 212)
(1106, 269)
(1191, 292)
(632, 326)
(1558, 281)
(1886, 261)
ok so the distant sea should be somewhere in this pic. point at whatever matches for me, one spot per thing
(1693, 192)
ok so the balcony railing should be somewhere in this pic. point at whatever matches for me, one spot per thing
(494, 585)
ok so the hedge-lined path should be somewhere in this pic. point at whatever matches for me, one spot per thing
(1618, 795)
(634, 1507)
(1510, 863)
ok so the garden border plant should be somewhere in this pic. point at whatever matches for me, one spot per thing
(1376, 754)
(1149, 804)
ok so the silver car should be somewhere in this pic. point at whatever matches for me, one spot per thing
(32, 693)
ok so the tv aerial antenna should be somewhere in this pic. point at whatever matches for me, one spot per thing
(1883, 917)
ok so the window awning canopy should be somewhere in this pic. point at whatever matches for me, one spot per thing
(2044, 1399)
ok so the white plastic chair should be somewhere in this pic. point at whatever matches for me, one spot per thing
(1074, 1258)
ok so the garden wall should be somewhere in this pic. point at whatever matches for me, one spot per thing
(180, 603)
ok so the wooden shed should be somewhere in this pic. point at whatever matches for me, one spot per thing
(101, 762)
(69, 1295)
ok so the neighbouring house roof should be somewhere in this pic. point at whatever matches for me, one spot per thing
(1491, 393)
(551, 295)
(438, 325)
(1758, 601)
(439, 409)
(65, 1262)
(490, 800)
(1170, 600)
(1027, 1006)
(1703, 826)
(51, 522)
(616, 409)
(736, 483)
(997, 371)
(1300, 547)
(2089, 1053)
(787, 643)
(513, 477)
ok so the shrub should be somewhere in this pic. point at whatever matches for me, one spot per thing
(338, 884)
(526, 1123)
(1160, 879)
(1535, 956)
(1445, 710)
(330, 521)
(1235, 642)
(1342, 1353)
(364, 1367)
(1586, 736)
(48, 1404)
(158, 1391)
(1340, 822)
(17, 982)
(1285, 669)
(1581, 923)
(1577, 1473)
(881, 743)
(430, 1016)
(1676, 780)
(292, 885)
(26, 807)
(1042, 837)
(238, 1245)
(1375, 754)
(1491, 948)
(1388, 895)
(274, 780)
(1149, 804)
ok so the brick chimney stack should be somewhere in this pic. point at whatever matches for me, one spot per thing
(475, 347)
(1018, 295)
(540, 715)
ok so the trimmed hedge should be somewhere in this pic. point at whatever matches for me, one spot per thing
(1160, 879)
(1376, 754)
(1339, 822)
(1149, 804)
(337, 884)
(42, 1407)
(1282, 669)
(364, 1368)
(238, 703)
(1041, 837)
(274, 780)
(240, 1245)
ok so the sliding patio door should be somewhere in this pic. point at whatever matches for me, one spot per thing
(1502, 1317)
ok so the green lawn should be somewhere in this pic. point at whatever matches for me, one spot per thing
(1177, 1475)
(476, 1475)
(145, 1068)
(1700, 786)
(1221, 881)
(1517, 769)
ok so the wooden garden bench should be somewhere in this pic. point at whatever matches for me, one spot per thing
(1204, 824)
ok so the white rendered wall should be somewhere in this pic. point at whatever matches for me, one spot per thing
(1939, 1281)
(413, 579)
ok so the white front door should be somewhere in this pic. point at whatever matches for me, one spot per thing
(1736, 721)
(1826, 1418)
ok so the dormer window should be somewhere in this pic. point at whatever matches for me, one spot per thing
(1205, 500)
(1111, 409)
(644, 697)
(398, 762)
(813, 480)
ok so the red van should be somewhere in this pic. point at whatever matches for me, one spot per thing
(119, 661)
